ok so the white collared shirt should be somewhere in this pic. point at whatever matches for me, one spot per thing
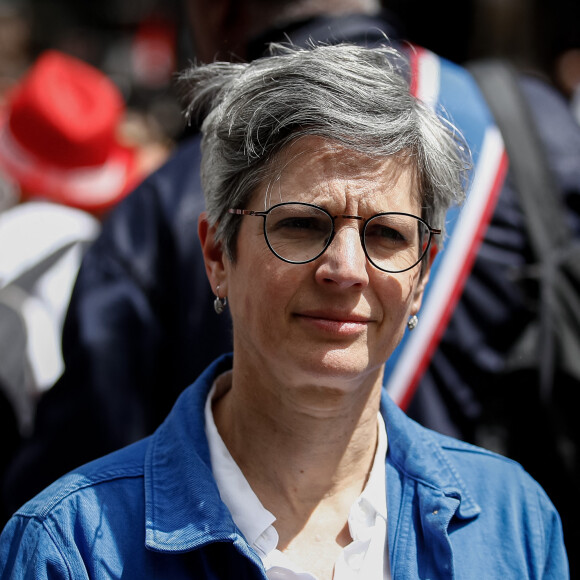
(365, 558)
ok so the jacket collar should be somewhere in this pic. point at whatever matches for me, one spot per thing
(183, 507)
(418, 453)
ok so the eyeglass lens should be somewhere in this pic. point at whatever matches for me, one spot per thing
(300, 233)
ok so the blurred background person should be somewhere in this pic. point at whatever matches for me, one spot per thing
(70, 154)
(568, 77)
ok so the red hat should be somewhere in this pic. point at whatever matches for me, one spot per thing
(58, 135)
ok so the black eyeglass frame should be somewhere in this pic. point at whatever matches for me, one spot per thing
(264, 214)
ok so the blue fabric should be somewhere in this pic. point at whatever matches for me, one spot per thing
(152, 510)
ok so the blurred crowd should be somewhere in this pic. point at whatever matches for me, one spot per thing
(141, 44)
(133, 43)
(86, 112)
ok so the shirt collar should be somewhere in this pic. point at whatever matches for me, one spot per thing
(374, 493)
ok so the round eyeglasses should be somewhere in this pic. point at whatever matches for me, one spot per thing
(299, 233)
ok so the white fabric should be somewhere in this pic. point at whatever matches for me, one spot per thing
(30, 233)
(365, 558)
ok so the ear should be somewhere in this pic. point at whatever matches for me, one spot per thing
(423, 279)
(213, 255)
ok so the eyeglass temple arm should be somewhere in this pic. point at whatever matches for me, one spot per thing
(246, 212)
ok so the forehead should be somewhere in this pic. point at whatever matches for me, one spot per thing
(320, 171)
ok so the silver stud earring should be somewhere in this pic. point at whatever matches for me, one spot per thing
(219, 304)
(412, 322)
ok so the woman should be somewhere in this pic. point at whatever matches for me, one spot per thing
(326, 185)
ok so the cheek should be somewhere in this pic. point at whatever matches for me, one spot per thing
(413, 283)
(397, 295)
(248, 276)
(400, 288)
(262, 294)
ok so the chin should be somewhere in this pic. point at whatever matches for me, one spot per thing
(339, 364)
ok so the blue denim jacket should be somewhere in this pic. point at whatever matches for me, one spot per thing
(152, 510)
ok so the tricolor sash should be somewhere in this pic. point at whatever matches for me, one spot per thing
(450, 89)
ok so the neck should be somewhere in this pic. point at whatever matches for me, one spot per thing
(303, 447)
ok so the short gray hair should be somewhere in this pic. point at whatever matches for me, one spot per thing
(356, 97)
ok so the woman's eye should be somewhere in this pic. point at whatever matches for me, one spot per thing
(299, 223)
(385, 233)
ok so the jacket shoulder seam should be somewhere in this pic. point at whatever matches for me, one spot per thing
(44, 509)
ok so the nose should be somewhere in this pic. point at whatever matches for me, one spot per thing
(344, 263)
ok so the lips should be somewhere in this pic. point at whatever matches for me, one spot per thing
(335, 322)
(336, 316)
